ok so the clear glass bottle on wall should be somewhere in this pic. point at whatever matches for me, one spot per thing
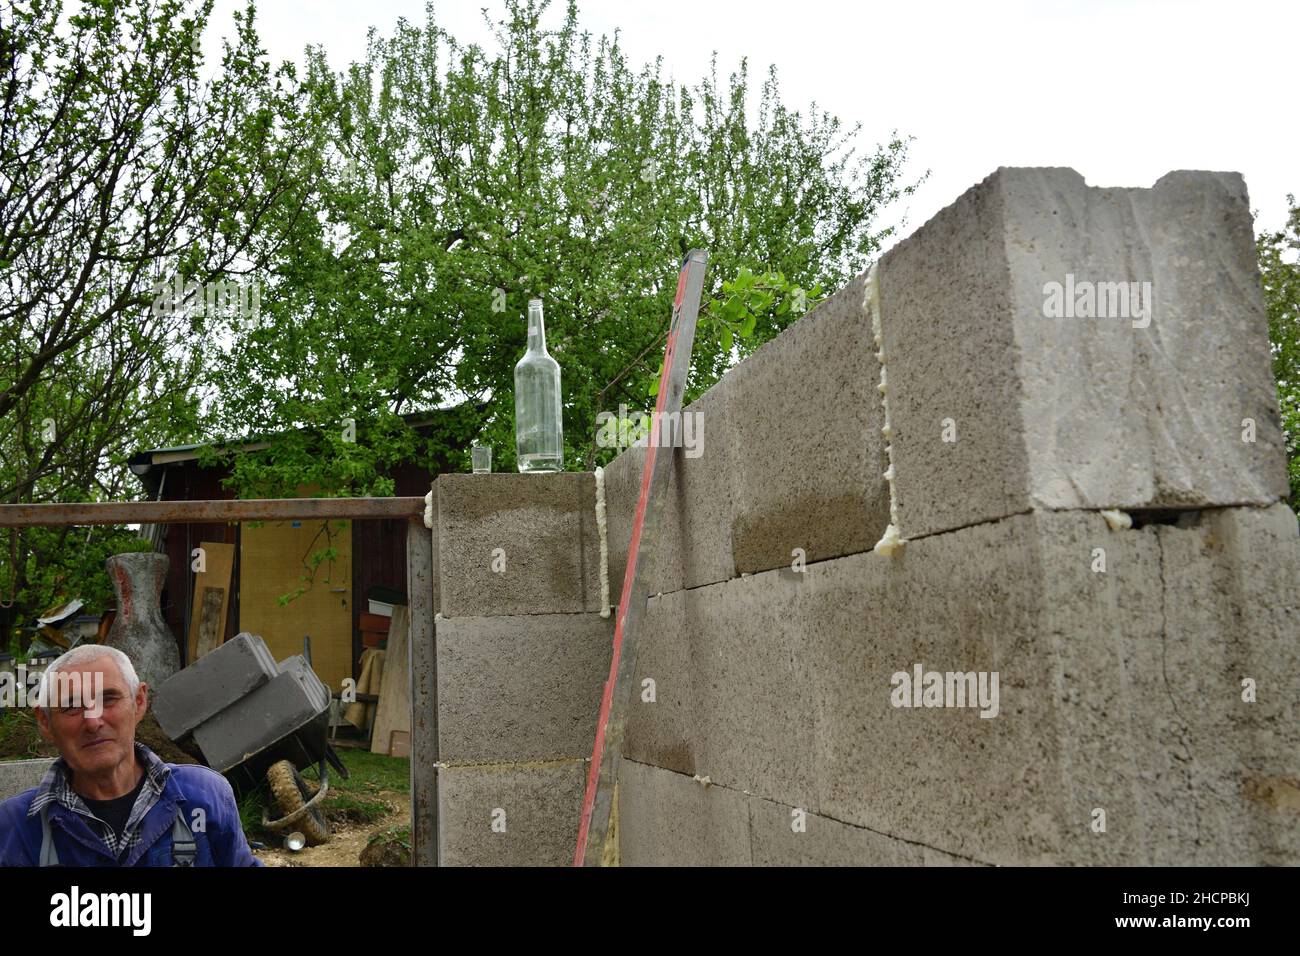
(539, 433)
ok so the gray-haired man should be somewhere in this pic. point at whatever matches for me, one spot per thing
(108, 800)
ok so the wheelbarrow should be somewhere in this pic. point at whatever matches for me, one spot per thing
(255, 720)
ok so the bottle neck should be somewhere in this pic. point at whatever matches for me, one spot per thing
(536, 330)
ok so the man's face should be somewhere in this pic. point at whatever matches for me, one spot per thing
(94, 732)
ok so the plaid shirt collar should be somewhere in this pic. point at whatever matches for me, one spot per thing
(56, 787)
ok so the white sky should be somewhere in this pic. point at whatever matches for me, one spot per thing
(1121, 91)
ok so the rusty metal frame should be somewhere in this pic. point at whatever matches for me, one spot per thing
(207, 512)
(419, 577)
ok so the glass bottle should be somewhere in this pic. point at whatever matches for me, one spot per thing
(539, 435)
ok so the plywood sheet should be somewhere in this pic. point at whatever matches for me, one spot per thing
(219, 562)
(212, 620)
(394, 713)
(273, 559)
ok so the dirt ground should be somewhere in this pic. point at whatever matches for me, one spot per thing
(347, 838)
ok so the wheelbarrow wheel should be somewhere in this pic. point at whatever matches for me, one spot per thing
(291, 792)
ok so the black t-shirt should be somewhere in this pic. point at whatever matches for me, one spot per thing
(117, 811)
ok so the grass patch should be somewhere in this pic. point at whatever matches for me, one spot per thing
(371, 773)
(250, 814)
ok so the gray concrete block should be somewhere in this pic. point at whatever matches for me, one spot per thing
(1131, 417)
(539, 804)
(753, 716)
(1092, 623)
(1078, 412)
(1120, 690)
(697, 529)
(668, 819)
(545, 529)
(949, 345)
(662, 567)
(1231, 768)
(792, 836)
(987, 788)
(263, 717)
(693, 547)
(1154, 728)
(213, 683)
(805, 421)
(520, 688)
(662, 733)
(19, 775)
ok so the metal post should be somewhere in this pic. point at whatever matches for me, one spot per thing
(423, 667)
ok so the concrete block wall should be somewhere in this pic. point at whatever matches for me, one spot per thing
(1149, 674)
(1082, 518)
(522, 655)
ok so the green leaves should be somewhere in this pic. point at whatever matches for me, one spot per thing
(135, 170)
(1279, 266)
(397, 215)
(753, 301)
(446, 185)
(727, 338)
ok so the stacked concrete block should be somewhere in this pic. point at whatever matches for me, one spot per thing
(275, 710)
(669, 819)
(752, 666)
(693, 544)
(213, 683)
(1120, 657)
(1223, 708)
(807, 447)
(1138, 409)
(792, 461)
(522, 657)
(517, 544)
(510, 814)
(984, 788)
(1132, 722)
(520, 688)
(661, 719)
(1148, 676)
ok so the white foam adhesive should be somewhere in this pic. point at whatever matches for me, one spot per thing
(428, 511)
(602, 526)
(1118, 520)
(892, 540)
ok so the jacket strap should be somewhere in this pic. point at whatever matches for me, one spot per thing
(49, 855)
(184, 849)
